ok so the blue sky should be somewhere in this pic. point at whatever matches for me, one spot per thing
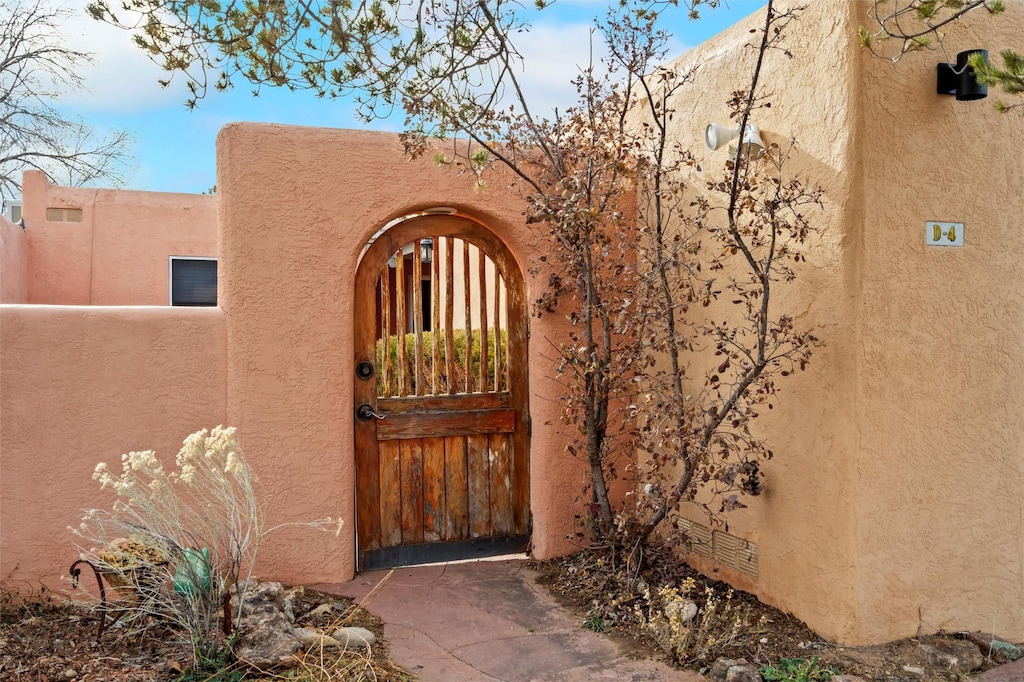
(175, 148)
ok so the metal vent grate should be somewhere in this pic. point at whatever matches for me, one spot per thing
(735, 552)
(698, 537)
(64, 215)
(726, 549)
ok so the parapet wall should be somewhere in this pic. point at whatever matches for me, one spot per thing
(91, 246)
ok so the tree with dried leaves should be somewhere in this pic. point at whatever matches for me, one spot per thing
(900, 26)
(35, 69)
(629, 221)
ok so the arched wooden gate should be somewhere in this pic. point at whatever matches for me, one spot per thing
(441, 428)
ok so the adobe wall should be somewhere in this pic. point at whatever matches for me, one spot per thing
(81, 385)
(940, 500)
(13, 263)
(801, 525)
(297, 206)
(896, 485)
(109, 247)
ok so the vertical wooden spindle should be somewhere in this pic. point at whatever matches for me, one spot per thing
(384, 380)
(435, 317)
(484, 345)
(417, 313)
(401, 315)
(449, 314)
(469, 317)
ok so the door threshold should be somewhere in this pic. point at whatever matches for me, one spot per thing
(522, 556)
(442, 552)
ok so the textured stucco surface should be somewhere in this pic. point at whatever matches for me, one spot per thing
(940, 491)
(81, 385)
(895, 499)
(118, 253)
(13, 263)
(297, 206)
(800, 524)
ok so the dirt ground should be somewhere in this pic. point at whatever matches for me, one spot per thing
(47, 639)
(588, 583)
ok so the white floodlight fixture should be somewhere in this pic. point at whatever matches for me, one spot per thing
(751, 147)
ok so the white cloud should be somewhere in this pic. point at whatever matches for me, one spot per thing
(555, 54)
(121, 78)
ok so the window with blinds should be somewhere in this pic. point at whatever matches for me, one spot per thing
(194, 281)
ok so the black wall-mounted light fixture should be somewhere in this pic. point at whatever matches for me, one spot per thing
(959, 80)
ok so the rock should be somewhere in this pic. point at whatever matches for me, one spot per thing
(680, 610)
(70, 674)
(913, 670)
(743, 673)
(266, 639)
(258, 595)
(320, 614)
(961, 657)
(968, 656)
(720, 669)
(355, 637)
(999, 649)
(936, 658)
(312, 638)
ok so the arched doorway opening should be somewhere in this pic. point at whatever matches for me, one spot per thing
(441, 395)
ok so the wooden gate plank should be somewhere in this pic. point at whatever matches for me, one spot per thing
(456, 523)
(520, 487)
(390, 494)
(437, 423)
(479, 484)
(412, 490)
(500, 456)
(433, 490)
(368, 491)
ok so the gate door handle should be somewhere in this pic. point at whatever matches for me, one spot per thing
(366, 413)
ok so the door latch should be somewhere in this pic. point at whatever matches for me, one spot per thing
(365, 412)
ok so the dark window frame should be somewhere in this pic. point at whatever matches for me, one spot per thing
(196, 288)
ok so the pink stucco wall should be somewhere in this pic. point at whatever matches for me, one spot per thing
(13, 263)
(297, 206)
(86, 383)
(895, 500)
(117, 254)
(81, 385)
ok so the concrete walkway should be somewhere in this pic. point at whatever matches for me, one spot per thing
(489, 620)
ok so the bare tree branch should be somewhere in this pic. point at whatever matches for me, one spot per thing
(36, 69)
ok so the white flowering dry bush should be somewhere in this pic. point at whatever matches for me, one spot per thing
(175, 542)
(719, 622)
